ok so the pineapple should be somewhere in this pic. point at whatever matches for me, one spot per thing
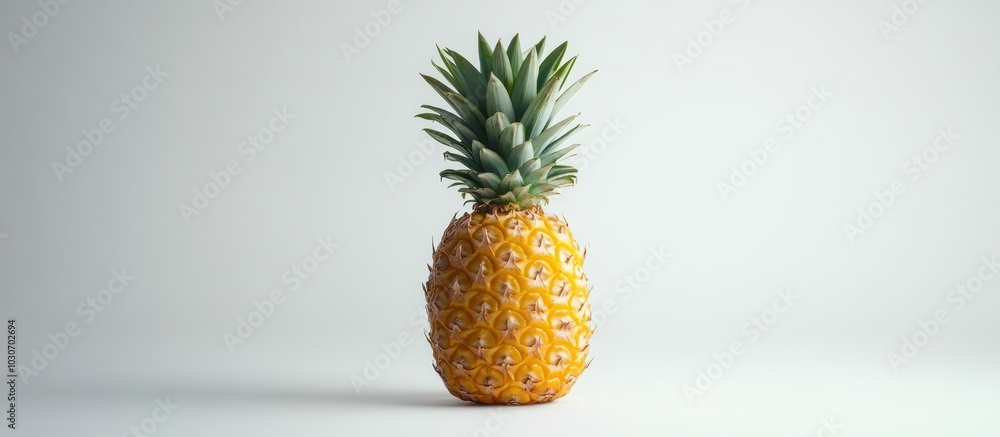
(507, 297)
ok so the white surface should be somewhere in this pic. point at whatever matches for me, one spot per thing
(757, 400)
(654, 186)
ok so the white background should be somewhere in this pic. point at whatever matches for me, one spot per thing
(655, 185)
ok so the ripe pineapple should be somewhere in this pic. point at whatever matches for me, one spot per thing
(507, 298)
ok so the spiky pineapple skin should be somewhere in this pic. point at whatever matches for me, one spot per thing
(509, 307)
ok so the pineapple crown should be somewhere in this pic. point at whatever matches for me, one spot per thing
(503, 122)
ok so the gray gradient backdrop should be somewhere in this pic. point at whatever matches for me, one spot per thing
(663, 137)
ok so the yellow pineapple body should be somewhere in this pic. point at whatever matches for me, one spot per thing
(508, 306)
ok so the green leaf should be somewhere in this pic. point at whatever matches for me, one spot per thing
(472, 80)
(520, 154)
(480, 193)
(467, 177)
(497, 99)
(530, 166)
(536, 117)
(564, 71)
(568, 94)
(469, 112)
(556, 155)
(438, 86)
(489, 180)
(495, 125)
(544, 189)
(510, 137)
(507, 199)
(493, 162)
(442, 112)
(526, 84)
(502, 68)
(451, 79)
(551, 64)
(539, 174)
(460, 129)
(477, 150)
(543, 139)
(521, 194)
(561, 170)
(486, 192)
(563, 181)
(514, 55)
(456, 125)
(540, 47)
(454, 118)
(451, 68)
(471, 193)
(485, 57)
(449, 141)
(468, 163)
(555, 144)
(511, 181)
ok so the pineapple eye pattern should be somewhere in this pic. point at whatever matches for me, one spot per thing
(499, 326)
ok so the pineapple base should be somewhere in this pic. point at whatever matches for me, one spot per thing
(509, 308)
